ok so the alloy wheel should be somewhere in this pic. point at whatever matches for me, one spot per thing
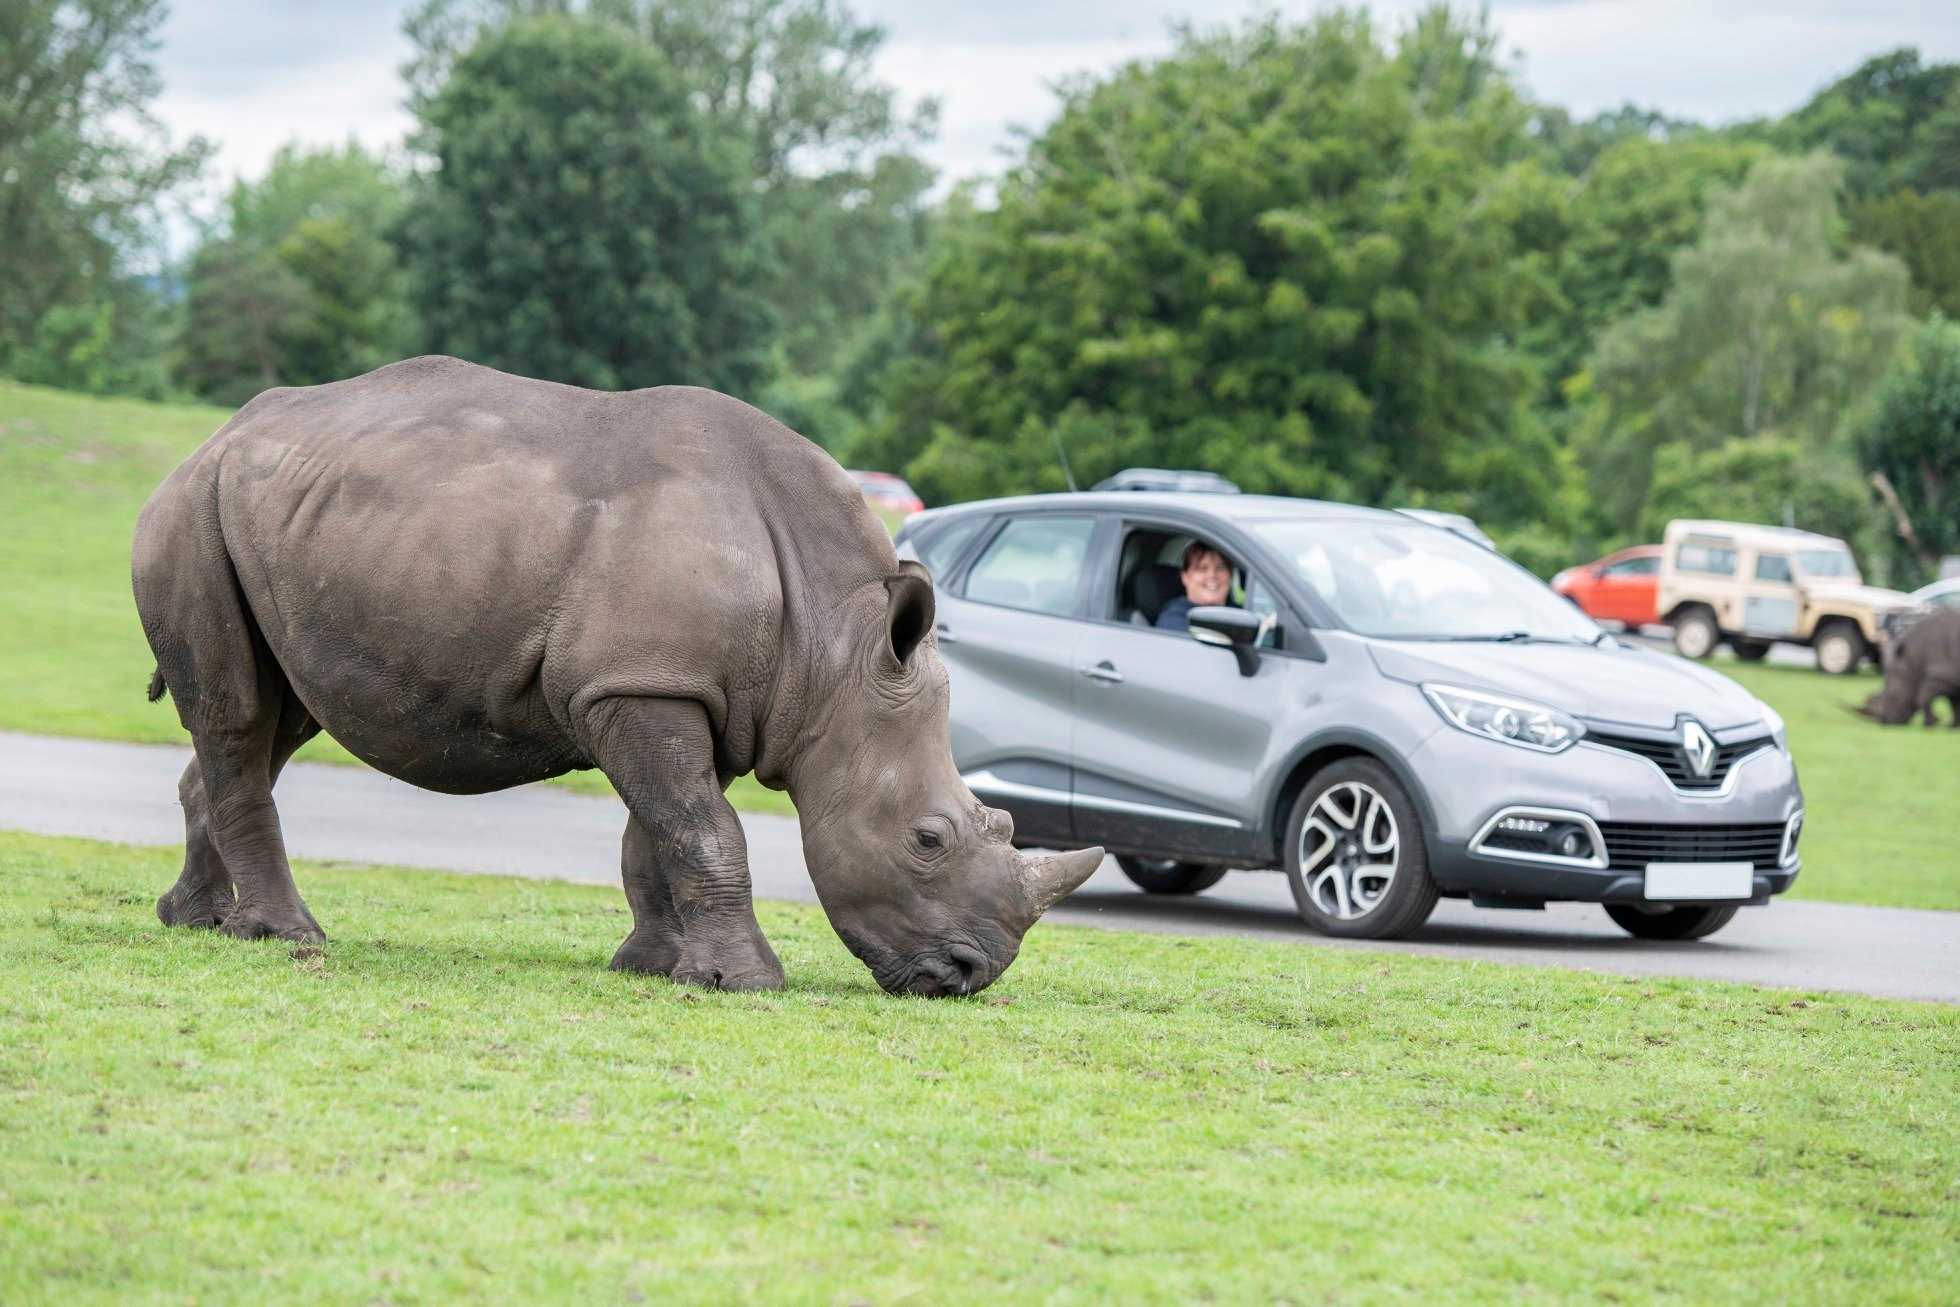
(1349, 850)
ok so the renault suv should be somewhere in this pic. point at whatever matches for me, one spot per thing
(1382, 710)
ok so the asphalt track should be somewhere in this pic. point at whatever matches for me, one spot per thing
(128, 793)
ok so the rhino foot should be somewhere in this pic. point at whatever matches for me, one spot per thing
(644, 953)
(748, 964)
(248, 923)
(204, 910)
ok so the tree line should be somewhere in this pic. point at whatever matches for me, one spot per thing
(1322, 258)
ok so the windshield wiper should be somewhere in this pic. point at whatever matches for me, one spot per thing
(1519, 637)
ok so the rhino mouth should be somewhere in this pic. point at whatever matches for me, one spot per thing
(958, 970)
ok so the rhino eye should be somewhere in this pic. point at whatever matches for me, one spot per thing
(927, 840)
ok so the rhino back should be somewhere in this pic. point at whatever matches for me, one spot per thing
(450, 562)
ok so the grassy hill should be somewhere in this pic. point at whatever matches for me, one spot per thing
(74, 472)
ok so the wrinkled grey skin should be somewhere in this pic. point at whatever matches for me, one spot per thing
(474, 580)
(1921, 670)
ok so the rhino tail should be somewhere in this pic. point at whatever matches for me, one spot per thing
(156, 685)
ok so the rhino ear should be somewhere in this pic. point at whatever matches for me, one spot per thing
(908, 615)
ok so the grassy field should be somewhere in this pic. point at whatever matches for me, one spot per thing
(1881, 804)
(453, 1099)
(74, 471)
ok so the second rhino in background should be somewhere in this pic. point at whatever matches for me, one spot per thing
(1923, 669)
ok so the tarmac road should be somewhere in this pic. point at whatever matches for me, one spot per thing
(128, 793)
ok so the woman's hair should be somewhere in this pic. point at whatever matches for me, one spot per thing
(1197, 548)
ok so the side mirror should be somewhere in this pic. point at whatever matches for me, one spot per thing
(1234, 629)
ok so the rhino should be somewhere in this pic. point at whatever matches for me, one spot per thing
(474, 580)
(1922, 667)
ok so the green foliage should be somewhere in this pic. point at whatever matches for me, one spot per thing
(299, 284)
(1924, 232)
(1775, 480)
(1894, 120)
(1640, 203)
(586, 221)
(1284, 253)
(1911, 434)
(83, 165)
(840, 189)
(1771, 326)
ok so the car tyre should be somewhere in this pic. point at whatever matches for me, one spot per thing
(1168, 875)
(1840, 649)
(1695, 633)
(1750, 651)
(1354, 854)
(1669, 923)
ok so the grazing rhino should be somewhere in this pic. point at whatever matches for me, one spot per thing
(1922, 669)
(474, 580)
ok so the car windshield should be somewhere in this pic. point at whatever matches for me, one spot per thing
(1408, 581)
(1822, 564)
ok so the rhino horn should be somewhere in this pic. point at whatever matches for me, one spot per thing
(1047, 880)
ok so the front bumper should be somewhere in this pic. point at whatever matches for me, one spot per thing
(1471, 782)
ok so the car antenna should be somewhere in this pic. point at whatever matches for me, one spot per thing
(1063, 455)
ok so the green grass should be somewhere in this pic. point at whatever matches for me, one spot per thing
(74, 471)
(454, 1100)
(1881, 804)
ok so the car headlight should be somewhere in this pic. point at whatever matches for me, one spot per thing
(1774, 720)
(1509, 721)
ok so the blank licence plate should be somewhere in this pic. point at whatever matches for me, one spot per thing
(1700, 880)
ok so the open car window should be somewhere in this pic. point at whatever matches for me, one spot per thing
(1149, 575)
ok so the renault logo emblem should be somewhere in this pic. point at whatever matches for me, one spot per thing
(1698, 749)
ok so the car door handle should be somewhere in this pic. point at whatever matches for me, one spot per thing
(1104, 671)
(944, 635)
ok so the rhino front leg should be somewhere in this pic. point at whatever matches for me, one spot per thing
(684, 858)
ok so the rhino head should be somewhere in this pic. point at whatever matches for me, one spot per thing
(919, 878)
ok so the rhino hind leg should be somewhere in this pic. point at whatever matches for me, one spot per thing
(203, 895)
(684, 859)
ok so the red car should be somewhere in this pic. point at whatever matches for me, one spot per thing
(1622, 587)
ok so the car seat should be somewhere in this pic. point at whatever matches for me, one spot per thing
(1153, 586)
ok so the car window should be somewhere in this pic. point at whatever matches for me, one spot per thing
(1712, 560)
(1259, 598)
(1827, 564)
(1950, 599)
(1634, 567)
(1772, 567)
(1035, 563)
(942, 549)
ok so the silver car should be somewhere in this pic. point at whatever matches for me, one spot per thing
(1385, 711)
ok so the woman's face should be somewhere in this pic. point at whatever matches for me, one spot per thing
(1207, 580)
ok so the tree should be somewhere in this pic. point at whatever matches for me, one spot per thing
(1639, 204)
(1283, 253)
(300, 283)
(840, 187)
(585, 221)
(1924, 231)
(1771, 326)
(83, 166)
(1770, 479)
(1894, 121)
(1910, 434)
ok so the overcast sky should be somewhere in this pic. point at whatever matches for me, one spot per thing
(251, 76)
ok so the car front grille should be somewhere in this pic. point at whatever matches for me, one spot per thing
(1631, 845)
(1666, 754)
